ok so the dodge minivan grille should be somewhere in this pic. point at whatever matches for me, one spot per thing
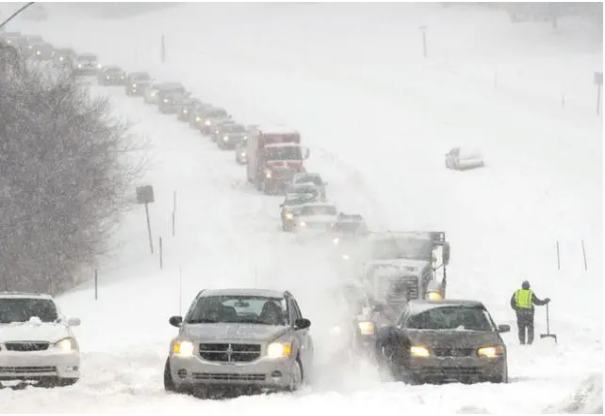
(225, 352)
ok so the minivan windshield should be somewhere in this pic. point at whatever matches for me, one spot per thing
(239, 309)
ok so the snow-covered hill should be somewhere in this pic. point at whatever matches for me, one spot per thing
(378, 118)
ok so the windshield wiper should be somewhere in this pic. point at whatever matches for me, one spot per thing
(202, 321)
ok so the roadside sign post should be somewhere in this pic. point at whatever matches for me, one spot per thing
(145, 196)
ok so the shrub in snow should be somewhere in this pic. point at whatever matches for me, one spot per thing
(65, 165)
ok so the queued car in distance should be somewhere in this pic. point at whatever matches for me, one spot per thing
(136, 83)
(316, 217)
(218, 126)
(86, 64)
(111, 75)
(170, 100)
(313, 179)
(209, 118)
(10, 38)
(64, 56)
(245, 340)
(241, 152)
(230, 135)
(43, 51)
(156, 93)
(196, 115)
(36, 341)
(29, 42)
(292, 205)
(462, 159)
(443, 341)
(185, 107)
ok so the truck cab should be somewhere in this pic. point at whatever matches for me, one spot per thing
(274, 156)
(406, 265)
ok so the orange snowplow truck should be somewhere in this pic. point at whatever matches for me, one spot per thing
(274, 156)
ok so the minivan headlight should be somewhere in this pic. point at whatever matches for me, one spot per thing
(183, 348)
(279, 350)
(67, 345)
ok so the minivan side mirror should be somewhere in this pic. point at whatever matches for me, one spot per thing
(503, 328)
(176, 321)
(302, 323)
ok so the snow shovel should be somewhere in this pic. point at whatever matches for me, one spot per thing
(548, 334)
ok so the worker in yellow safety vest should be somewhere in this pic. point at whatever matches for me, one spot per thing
(523, 302)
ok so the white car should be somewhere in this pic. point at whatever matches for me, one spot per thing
(36, 341)
(460, 159)
(311, 179)
(316, 216)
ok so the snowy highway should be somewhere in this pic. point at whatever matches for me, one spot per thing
(378, 122)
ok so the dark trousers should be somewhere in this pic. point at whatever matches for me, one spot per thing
(525, 322)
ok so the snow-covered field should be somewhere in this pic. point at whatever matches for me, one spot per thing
(378, 118)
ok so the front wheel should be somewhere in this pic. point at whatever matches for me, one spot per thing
(168, 381)
(296, 377)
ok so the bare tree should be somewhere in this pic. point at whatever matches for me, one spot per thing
(66, 165)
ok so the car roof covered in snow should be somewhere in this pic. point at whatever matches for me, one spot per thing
(242, 292)
(276, 129)
(24, 295)
(319, 205)
(275, 145)
(421, 305)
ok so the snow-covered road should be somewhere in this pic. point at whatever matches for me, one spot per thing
(378, 121)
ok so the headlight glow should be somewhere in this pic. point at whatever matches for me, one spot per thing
(134, 85)
(336, 241)
(207, 122)
(345, 257)
(99, 66)
(38, 52)
(289, 216)
(79, 65)
(491, 352)
(302, 224)
(60, 58)
(67, 345)
(366, 328)
(434, 296)
(268, 174)
(183, 348)
(165, 100)
(185, 111)
(226, 138)
(279, 350)
(197, 119)
(419, 351)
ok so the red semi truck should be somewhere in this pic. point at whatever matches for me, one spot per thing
(274, 156)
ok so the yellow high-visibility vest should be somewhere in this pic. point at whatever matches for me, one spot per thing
(523, 298)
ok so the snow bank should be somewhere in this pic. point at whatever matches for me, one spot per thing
(586, 399)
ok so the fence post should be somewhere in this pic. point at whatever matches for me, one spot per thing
(161, 255)
(96, 284)
(584, 255)
(558, 256)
